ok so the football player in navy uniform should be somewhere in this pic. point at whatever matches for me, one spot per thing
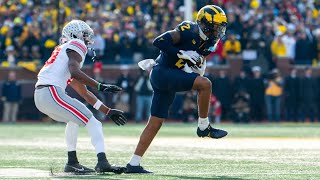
(185, 46)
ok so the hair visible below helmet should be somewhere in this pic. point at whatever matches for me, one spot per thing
(212, 22)
(77, 29)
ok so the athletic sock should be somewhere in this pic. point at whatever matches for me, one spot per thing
(135, 160)
(203, 123)
(71, 135)
(72, 158)
(95, 130)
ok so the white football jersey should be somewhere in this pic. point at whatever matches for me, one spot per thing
(56, 71)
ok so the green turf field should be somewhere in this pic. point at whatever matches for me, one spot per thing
(258, 151)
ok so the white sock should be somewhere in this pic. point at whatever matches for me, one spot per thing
(135, 160)
(203, 123)
(95, 130)
(71, 134)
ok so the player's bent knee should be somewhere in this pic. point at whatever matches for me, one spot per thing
(94, 122)
(202, 83)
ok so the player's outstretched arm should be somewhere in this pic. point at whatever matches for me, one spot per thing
(114, 114)
(76, 73)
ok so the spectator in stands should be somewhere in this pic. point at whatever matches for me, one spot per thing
(316, 47)
(111, 50)
(215, 110)
(126, 49)
(241, 82)
(126, 83)
(48, 43)
(274, 88)
(189, 108)
(241, 107)
(97, 69)
(232, 46)
(144, 92)
(308, 94)
(223, 91)
(292, 96)
(267, 53)
(303, 50)
(278, 47)
(11, 56)
(11, 96)
(256, 91)
(99, 42)
(139, 46)
(289, 42)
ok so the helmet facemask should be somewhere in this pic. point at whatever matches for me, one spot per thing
(214, 31)
(212, 22)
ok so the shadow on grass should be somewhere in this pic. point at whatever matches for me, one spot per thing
(203, 178)
(84, 176)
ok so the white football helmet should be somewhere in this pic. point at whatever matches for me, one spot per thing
(77, 29)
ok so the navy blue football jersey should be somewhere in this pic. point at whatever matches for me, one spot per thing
(189, 41)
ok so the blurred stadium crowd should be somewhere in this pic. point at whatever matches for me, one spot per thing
(124, 29)
(259, 32)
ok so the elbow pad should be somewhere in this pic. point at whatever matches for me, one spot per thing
(165, 43)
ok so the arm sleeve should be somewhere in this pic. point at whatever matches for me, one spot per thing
(78, 46)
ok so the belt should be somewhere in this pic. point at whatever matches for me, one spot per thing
(42, 86)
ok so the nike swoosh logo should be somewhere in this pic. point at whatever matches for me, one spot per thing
(82, 169)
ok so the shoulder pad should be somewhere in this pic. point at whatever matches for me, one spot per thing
(78, 46)
(187, 26)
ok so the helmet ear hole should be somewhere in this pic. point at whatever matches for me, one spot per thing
(74, 36)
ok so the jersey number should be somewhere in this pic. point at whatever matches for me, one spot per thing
(53, 56)
(187, 26)
(180, 63)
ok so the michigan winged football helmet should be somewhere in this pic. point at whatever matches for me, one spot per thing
(212, 23)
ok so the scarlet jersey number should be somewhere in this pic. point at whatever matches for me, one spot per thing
(53, 56)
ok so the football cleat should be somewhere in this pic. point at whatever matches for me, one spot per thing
(104, 166)
(77, 168)
(135, 169)
(211, 132)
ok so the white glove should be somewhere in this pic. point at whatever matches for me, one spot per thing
(147, 64)
(200, 70)
(192, 56)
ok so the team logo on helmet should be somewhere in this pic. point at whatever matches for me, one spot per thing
(212, 21)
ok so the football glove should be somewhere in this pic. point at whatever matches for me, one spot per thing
(192, 56)
(117, 116)
(109, 88)
(199, 70)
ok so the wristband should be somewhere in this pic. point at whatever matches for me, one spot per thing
(108, 111)
(99, 86)
(97, 105)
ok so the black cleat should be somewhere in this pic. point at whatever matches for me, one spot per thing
(104, 166)
(136, 169)
(77, 168)
(212, 132)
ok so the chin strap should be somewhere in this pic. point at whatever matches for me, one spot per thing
(94, 55)
(202, 35)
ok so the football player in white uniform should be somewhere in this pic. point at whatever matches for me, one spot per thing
(61, 69)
